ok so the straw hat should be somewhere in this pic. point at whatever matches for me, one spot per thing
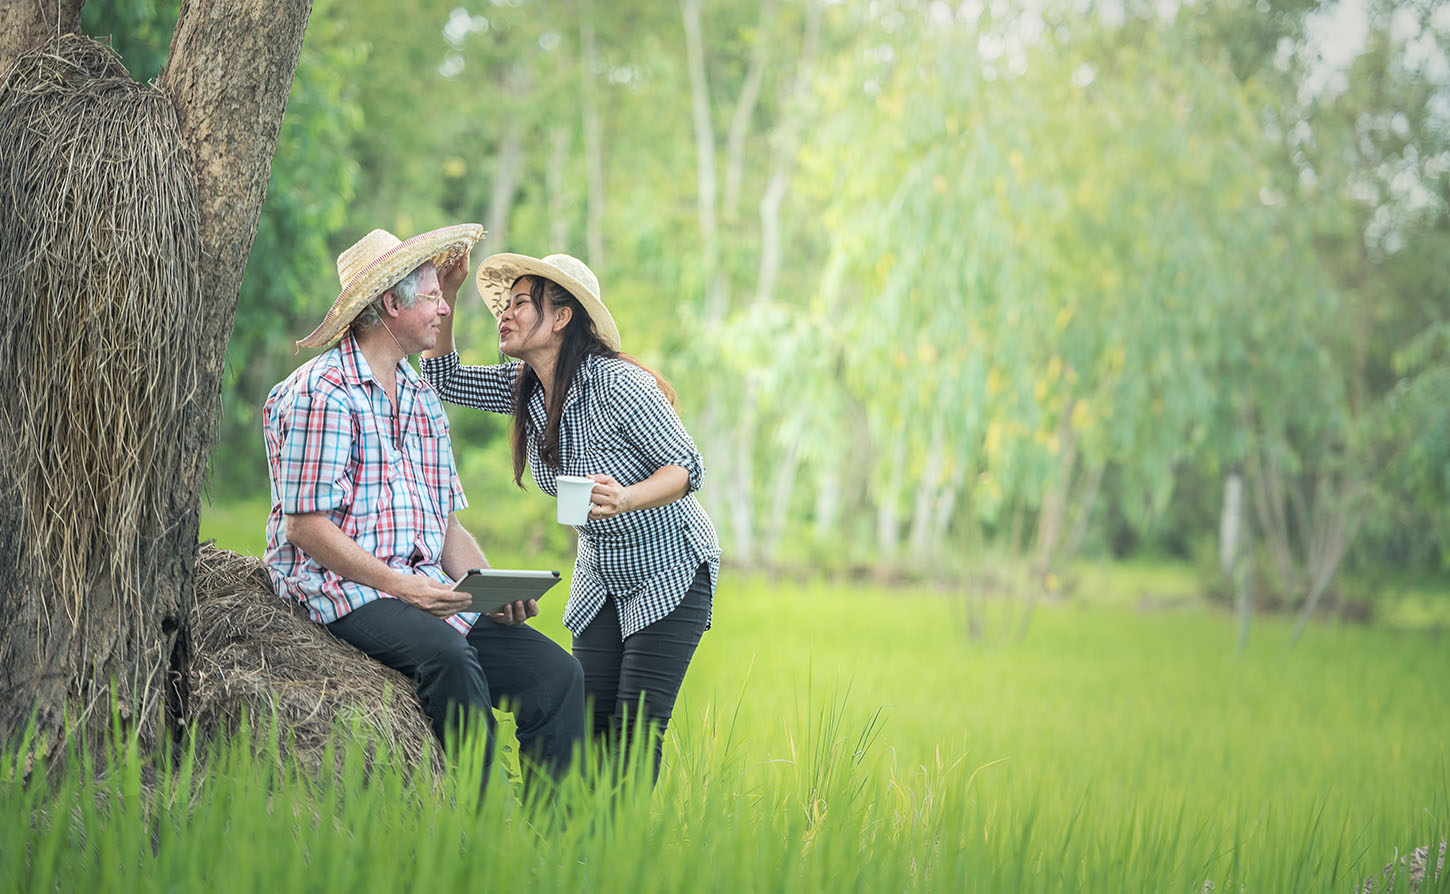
(496, 275)
(376, 262)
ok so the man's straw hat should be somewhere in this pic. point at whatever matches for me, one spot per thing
(376, 262)
(496, 275)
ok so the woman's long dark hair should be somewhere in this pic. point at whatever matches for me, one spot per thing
(579, 340)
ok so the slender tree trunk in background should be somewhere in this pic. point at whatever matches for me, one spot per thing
(745, 109)
(1082, 509)
(1053, 512)
(1266, 489)
(593, 138)
(554, 185)
(888, 516)
(508, 167)
(783, 154)
(1235, 552)
(742, 484)
(781, 494)
(707, 190)
(928, 493)
(1338, 521)
(1230, 523)
(718, 443)
(228, 78)
(826, 515)
(1051, 518)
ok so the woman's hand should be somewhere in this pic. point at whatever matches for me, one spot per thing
(609, 498)
(516, 614)
(451, 278)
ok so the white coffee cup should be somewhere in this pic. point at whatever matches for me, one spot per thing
(574, 502)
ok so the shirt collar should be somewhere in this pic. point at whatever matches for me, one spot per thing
(355, 368)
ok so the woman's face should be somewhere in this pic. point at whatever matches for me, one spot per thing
(520, 327)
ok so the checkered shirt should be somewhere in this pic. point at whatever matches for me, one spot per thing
(615, 420)
(387, 480)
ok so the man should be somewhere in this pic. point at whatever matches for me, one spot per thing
(363, 530)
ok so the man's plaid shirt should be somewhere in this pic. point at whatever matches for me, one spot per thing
(387, 480)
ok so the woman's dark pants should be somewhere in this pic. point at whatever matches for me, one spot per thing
(650, 663)
(540, 682)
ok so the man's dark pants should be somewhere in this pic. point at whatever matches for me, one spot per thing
(540, 682)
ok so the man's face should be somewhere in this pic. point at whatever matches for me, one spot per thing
(416, 327)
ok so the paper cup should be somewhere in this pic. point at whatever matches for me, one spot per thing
(573, 499)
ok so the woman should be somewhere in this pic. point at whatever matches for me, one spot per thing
(648, 560)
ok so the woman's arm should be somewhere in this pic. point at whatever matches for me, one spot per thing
(480, 387)
(665, 486)
(488, 388)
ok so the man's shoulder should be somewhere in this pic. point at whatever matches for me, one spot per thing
(320, 377)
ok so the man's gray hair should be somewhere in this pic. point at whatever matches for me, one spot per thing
(406, 290)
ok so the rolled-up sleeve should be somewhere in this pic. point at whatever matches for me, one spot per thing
(312, 468)
(653, 427)
(489, 388)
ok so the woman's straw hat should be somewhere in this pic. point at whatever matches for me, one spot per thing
(376, 262)
(496, 275)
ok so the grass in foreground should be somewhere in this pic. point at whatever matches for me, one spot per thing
(853, 739)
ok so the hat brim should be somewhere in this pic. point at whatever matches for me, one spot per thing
(497, 274)
(442, 246)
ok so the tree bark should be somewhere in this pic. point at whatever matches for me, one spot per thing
(230, 71)
(26, 23)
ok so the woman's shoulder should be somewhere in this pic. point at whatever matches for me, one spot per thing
(616, 371)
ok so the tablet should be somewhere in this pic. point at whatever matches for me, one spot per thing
(493, 588)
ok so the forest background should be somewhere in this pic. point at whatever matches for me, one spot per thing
(960, 292)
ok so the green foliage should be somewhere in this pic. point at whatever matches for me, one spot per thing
(1029, 259)
(1114, 751)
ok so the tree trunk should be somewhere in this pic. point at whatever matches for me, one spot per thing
(783, 154)
(707, 191)
(1234, 552)
(928, 494)
(230, 71)
(554, 184)
(593, 140)
(507, 169)
(744, 110)
(888, 515)
(781, 495)
(26, 23)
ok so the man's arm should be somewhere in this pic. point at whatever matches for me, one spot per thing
(317, 536)
(461, 553)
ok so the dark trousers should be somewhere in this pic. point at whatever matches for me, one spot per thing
(650, 663)
(457, 676)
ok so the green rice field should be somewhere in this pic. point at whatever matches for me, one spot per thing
(850, 737)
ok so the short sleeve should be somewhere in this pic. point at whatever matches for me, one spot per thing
(653, 427)
(312, 468)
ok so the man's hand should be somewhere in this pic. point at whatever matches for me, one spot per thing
(429, 595)
(451, 278)
(516, 614)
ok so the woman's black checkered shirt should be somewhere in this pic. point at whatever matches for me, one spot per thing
(615, 420)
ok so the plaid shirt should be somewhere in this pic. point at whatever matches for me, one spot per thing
(335, 446)
(615, 420)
